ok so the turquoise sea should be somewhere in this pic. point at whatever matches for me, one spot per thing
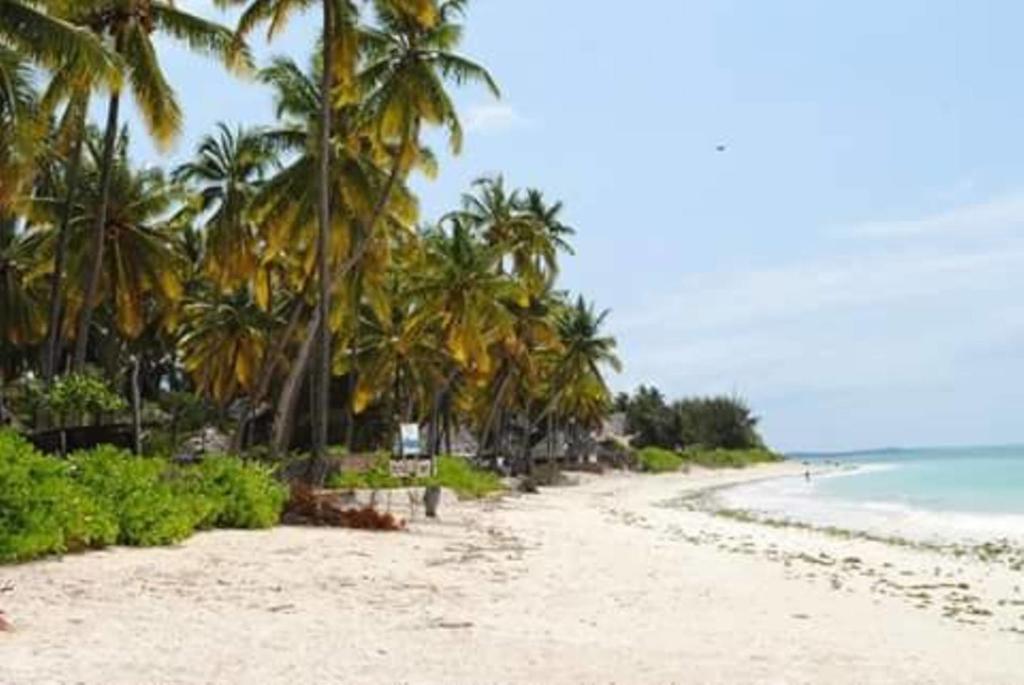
(943, 494)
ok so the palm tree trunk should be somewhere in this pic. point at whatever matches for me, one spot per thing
(270, 363)
(281, 432)
(99, 232)
(136, 408)
(448, 422)
(51, 351)
(492, 416)
(321, 379)
(353, 370)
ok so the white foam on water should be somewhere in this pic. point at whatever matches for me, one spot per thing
(795, 499)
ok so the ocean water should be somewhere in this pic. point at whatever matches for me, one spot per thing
(943, 495)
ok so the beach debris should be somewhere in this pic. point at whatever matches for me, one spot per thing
(5, 624)
(281, 607)
(308, 506)
(453, 625)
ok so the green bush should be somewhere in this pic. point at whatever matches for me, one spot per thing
(465, 479)
(106, 495)
(80, 394)
(717, 459)
(42, 511)
(139, 491)
(377, 477)
(240, 495)
(658, 460)
(452, 472)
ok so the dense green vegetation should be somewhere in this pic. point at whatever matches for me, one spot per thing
(658, 460)
(283, 278)
(709, 423)
(454, 473)
(735, 459)
(107, 496)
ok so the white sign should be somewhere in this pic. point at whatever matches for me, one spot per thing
(410, 439)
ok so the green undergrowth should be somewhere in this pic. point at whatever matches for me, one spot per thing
(731, 459)
(454, 473)
(659, 460)
(107, 496)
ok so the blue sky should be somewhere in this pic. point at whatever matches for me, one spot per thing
(853, 263)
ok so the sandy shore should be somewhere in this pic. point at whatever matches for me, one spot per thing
(599, 583)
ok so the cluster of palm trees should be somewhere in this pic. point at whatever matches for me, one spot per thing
(289, 256)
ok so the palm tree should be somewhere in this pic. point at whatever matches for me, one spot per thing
(228, 171)
(130, 25)
(20, 292)
(408, 61)
(19, 124)
(339, 51)
(286, 205)
(143, 262)
(224, 341)
(394, 353)
(578, 390)
(524, 228)
(52, 42)
(553, 233)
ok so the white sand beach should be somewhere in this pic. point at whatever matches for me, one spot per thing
(597, 583)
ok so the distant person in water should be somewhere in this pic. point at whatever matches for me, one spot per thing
(807, 475)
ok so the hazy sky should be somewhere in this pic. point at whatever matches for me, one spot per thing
(853, 263)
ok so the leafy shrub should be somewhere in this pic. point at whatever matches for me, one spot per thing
(106, 496)
(240, 495)
(377, 477)
(453, 473)
(729, 458)
(42, 511)
(81, 394)
(658, 460)
(139, 491)
(465, 479)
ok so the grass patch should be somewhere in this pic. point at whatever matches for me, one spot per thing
(465, 479)
(454, 473)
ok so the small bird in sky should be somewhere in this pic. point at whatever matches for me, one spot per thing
(720, 148)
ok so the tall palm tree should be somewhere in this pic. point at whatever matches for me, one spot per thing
(286, 205)
(578, 390)
(409, 60)
(130, 26)
(228, 171)
(143, 263)
(338, 53)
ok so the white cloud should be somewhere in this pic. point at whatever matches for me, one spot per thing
(932, 315)
(1000, 214)
(493, 118)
